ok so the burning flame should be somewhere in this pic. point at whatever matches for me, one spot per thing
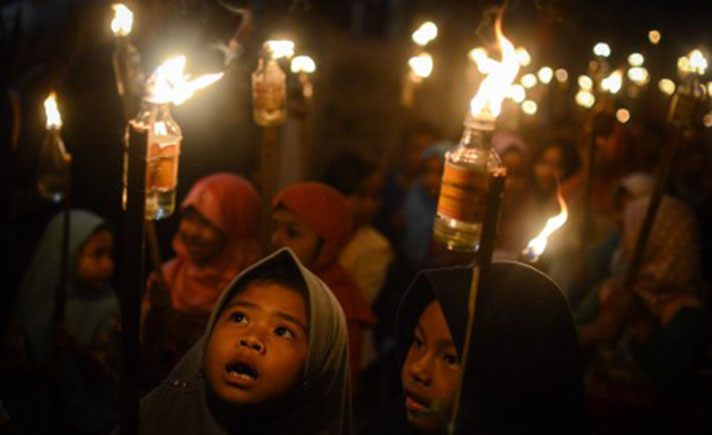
(613, 82)
(168, 84)
(425, 33)
(698, 63)
(303, 64)
(54, 120)
(537, 245)
(602, 49)
(545, 75)
(638, 75)
(280, 48)
(667, 86)
(123, 20)
(422, 65)
(488, 100)
(636, 59)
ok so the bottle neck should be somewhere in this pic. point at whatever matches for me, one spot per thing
(473, 137)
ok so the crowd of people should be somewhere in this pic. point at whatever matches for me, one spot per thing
(352, 319)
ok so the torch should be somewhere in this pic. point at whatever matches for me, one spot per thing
(304, 67)
(421, 64)
(685, 108)
(471, 194)
(154, 140)
(269, 95)
(536, 246)
(54, 184)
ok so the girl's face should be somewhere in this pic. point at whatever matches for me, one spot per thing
(365, 199)
(203, 240)
(258, 347)
(95, 263)
(549, 168)
(292, 232)
(431, 372)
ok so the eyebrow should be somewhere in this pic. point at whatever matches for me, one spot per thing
(442, 343)
(280, 314)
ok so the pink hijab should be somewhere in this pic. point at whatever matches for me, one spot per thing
(230, 203)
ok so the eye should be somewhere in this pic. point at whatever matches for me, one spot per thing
(238, 317)
(452, 360)
(292, 233)
(282, 331)
(417, 342)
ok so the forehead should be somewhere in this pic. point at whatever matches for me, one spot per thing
(272, 297)
(100, 238)
(286, 216)
(433, 322)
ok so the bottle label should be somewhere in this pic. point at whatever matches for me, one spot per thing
(463, 194)
(162, 169)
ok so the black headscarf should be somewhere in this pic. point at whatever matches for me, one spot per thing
(526, 371)
(321, 405)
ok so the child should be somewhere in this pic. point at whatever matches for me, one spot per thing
(82, 398)
(314, 221)
(273, 360)
(525, 365)
(217, 238)
(368, 254)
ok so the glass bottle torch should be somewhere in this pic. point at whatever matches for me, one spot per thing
(269, 84)
(54, 160)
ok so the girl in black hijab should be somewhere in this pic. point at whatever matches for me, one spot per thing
(526, 376)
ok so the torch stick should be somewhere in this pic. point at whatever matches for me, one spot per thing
(268, 164)
(60, 293)
(134, 244)
(479, 279)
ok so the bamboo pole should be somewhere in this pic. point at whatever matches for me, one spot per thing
(268, 178)
(464, 398)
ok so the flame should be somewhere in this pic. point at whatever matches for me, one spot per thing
(422, 65)
(517, 93)
(529, 107)
(667, 86)
(585, 98)
(523, 56)
(537, 245)
(529, 80)
(280, 48)
(698, 63)
(585, 83)
(638, 75)
(602, 49)
(561, 75)
(636, 59)
(488, 100)
(425, 33)
(654, 37)
(622, 115)
(485, 64)
(54, 120)
(303, 64)
(168, 84)
(123, 20)
(613, 82)
(545, 75)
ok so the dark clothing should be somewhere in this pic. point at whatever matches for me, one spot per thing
(527, 377)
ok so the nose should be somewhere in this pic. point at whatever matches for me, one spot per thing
(252, 342)
(419, 370)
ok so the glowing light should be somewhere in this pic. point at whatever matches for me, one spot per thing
(529, 80)
(585, 99)
(280, 48)
(698, 63)
(421, 65)
(168, 84)
(585, 83)
(487, 103)
(545, 74)
(537, 245)
(529, 107)
(561, 75)
(484, 63)
(636, 59)
(516, 93)
(683, 64)
(654, 37)
(613, 82)
(425, 33)
(523, 56)
(708, 120)
(602, 49)
(54, 120)
(622, 115)
(709, 88)
(667, 86)
(638, 75)
(302, 64)
(123, 20)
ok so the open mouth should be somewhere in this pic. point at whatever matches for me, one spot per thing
(241, 371)
(415, 403)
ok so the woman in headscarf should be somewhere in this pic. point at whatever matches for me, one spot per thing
(73, 365)
(217, 238)
(314, 220)
(525, 373)
(275, 318)
(661, 324)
